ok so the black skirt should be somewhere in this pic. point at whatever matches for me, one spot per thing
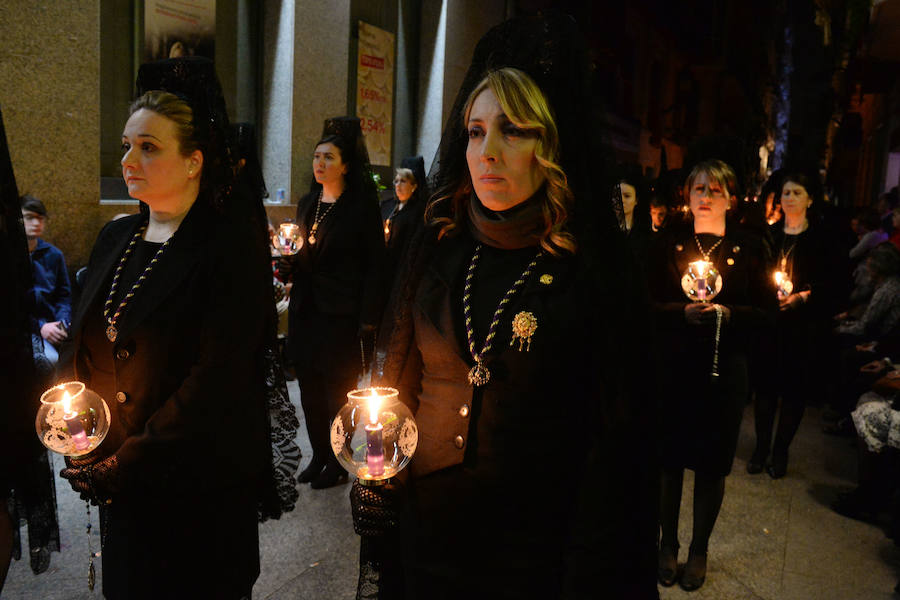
(702, 418)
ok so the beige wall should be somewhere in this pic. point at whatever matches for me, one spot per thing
(49, 91)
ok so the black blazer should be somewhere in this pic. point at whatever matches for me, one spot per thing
(341, 273)
(186, 397)
(541, 412)
(742, 260)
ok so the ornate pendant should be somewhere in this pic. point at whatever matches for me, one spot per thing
(112, 333)
(311, 239)
(479, 375)
(524, 325)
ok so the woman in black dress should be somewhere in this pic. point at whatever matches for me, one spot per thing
(521, 486)
(802, 255)
(171, 331)
(335, 300)
(702, 412)
(403, 213)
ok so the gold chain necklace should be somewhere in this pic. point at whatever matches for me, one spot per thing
(785, 255)
(706, 254)
(317, 220)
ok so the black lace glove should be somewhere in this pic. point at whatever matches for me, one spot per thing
(376, 509)
(285, 266)
(96, 481)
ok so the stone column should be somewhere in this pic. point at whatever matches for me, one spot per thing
(50, 94)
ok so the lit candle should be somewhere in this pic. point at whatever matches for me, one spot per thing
(73, 422)
(785, 285)
(374, 440)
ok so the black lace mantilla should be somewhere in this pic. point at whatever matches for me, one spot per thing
(283, 426)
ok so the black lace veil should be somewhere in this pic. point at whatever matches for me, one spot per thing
(26, 476)
(238, 197)
(608, 288)
(16, 363)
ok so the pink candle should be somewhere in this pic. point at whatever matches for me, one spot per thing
(374, 439)
(73, 422)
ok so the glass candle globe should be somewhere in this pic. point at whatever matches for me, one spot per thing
(72, 419)
(286, 240)
(701, 281)
(374, 435)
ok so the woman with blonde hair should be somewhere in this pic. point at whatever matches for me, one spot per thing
(501, 347)
(703, 348)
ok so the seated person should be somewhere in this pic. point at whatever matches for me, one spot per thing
(877, 423)
(52, 292)
(870, 234)
(882, 314)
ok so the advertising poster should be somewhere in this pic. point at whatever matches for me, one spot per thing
(375, 90)
(179, 28)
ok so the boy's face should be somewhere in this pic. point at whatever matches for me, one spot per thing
(34, 224)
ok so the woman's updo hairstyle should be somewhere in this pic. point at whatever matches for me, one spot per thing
(346, 135)
(526, 106)
(176, 110)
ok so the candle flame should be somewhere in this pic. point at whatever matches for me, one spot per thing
(374, 406)
(779, 277)
(67, 402)
(701, 267)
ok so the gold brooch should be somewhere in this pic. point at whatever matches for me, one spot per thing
(730, 261)
(546, 279)
(524, 325)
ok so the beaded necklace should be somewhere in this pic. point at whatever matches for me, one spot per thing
(317, 219)
(111, 331)
(479, 374)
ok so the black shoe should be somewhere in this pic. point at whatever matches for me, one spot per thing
(757, 463)
(778, 467)
(667, 565)
(311, 471)
(329, 477)
(694, 572)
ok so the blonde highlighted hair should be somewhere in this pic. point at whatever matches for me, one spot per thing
(526, 106)
(715, 170)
